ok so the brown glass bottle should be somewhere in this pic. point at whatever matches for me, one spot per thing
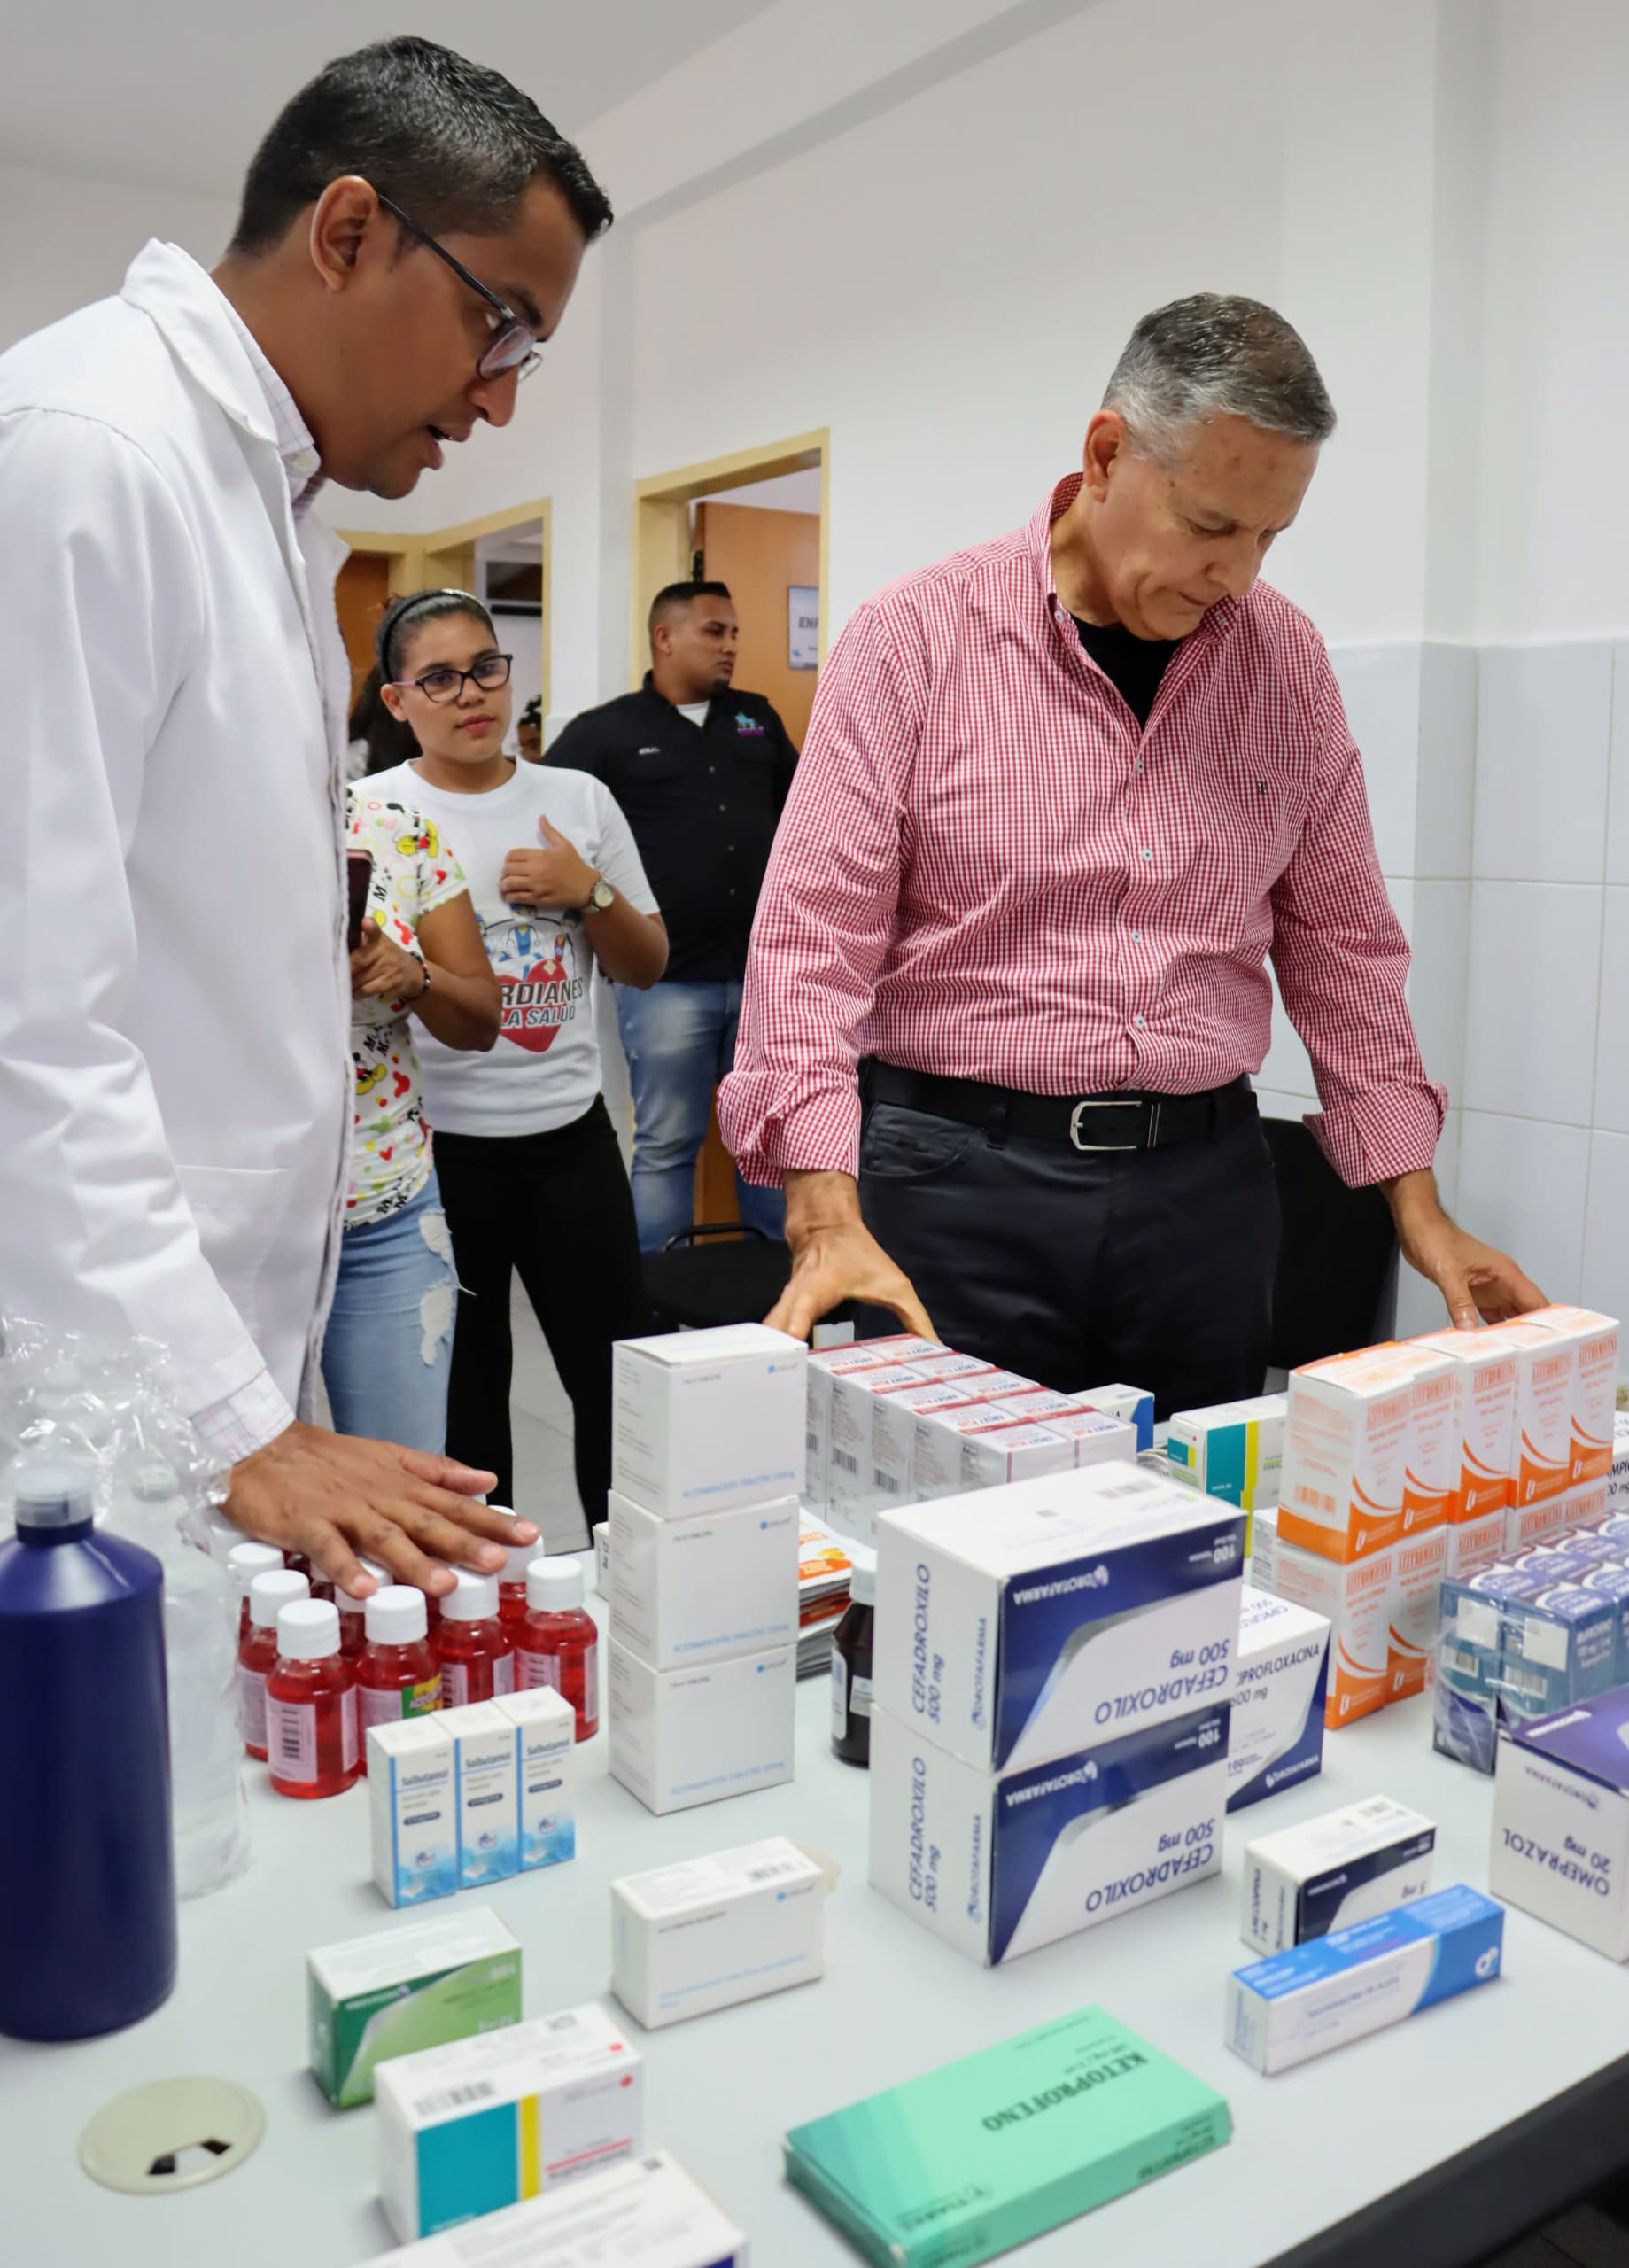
(851, 1662)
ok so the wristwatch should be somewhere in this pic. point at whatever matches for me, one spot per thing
(599, 898)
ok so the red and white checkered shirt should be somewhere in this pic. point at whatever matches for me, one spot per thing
(988, 870)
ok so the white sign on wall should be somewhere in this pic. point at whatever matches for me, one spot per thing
(803, 626)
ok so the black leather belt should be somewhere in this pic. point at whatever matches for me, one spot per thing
(1089, 1123)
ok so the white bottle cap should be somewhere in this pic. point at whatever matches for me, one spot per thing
(270, 1594)
(863, 1579)
(308, 1628)
(396, 1616)
(245, 1561)
(343, 1601)
(520, 1555)
(474, 1598)
(54, 1491)
(553, 1586)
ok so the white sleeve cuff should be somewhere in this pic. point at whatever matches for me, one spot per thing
(245, 1421)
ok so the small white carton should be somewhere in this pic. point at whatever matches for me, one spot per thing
(1279, 1686)
(1595, 1387)
(1353, 1596)
(893, 1421)
(1232, 1449)
(1541, 1432)
(1418, 1565)
(1561, 1820)
(701, 1590)
(1013, 1448)
(1000, 1864)
(486, 1795)
(936, 1452)
(1019, 1623)
(706, 1420)
(1329, 1872)
(484, 2123)
(1098, 1438)
(1347, 1436)
(647, 2210)
(545, 1727)
(1134, 1403)
(412, 1809)
(1484, 1418)
(849, 1446)
(1617, 1480)
(684, 1737)
(704, 1933)
(829, 1362)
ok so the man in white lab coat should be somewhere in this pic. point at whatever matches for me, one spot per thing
(175, 1065)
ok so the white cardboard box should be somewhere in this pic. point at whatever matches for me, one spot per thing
(849, 1447)
(999, 1865)
(1329, 1872)
(485, 2122)
(486, 1793)
(1353, 1596)
(647, 2207)
(1013, 1448)
(1541, 1431)
(701, 1590)
(893, 1424)
(545, 1727)
(1560, 1821)
(1484, 1418)
(704, 1933)
(936, 1452)
(1595, 1387)
(1021, 1623)
(1279, 1687)
(828, 1362)
(412, 1806)
(706, 1420)
(684, 1737)
(1232, 1449)
(1419, 1563)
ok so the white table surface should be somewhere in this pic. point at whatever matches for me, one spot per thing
(1308, 2147)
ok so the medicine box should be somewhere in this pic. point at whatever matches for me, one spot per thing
(704, 1933)
(936, 1448)
(545, 1727)
(1474, 1543)
(1134, 1403)
(1348, 1434)
(893, 1427)
(1541, 1435)
(1417, 1563)
(400, 1990)
(1098, 1438)
(1022, 1623)
(1334, 1870)
(702, 1588)
(1279, 1682)
(412, 1810)
(1595, 1387)
(1354, 1598)
(1013, 1449)
(1526, 1524)
(1234, 1449)
(684, 1737)
(486, 1794)
(602, 1558)
(997, 1865)
(1001, 2145)
(849, 1452)
(708, 1421)
(1560, 1821)
(1484, 1418)
(482, 2123)
(646, 2212)
(1617, 1480)
(830, 1362)
(1301, 2003)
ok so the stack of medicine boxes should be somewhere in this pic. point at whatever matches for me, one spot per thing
(1408, 1465)
(707, 1469)
(899, 1421)
(1052, 1669)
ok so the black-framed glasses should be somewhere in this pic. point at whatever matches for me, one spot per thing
(513, 345)
(446, 684)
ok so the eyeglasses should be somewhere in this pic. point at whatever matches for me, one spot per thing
(444, 684)
(513, 346)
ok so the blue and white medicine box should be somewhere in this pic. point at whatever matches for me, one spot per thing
(1560, 1821)
(1234, 1449)
(998, 1865)
(1279, 1682)
(1022, 1623)
(1300, 2004)
(1134, 1403)
(1328, 1873)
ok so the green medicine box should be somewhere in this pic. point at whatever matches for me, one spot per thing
(400, 1990)
(997, 2147)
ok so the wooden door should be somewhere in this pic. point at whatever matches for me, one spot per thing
(361, 596)
(761, 555)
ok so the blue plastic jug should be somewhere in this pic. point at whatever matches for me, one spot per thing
(87, 1874)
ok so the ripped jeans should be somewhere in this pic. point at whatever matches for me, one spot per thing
(388, 1353)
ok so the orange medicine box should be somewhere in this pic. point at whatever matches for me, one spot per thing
(1354, 1598)
(1418, 1565)
(1485, 1416)
(1595, 1387)
(1348, 1432)
(1541, 1438)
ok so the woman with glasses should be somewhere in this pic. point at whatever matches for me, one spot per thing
(530, 1174)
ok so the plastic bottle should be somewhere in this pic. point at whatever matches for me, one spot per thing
(471, 1644)
(245, 1562)
(311, 1732)
(268, 1595)
(87, 1866)
(512, 1581)
(851, 1661)
(559, 1644)
(352, 1633)
(397, 1672)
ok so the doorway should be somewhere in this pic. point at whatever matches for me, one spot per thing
(759, 521)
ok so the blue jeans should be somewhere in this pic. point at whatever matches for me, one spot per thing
(388, 1353)
(679, 1040)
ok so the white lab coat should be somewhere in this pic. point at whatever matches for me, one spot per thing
(174, 1062)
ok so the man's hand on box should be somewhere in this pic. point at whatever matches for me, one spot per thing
(1479, 1282)
(836, 1257)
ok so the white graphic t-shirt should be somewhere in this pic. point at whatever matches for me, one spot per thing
(544, 1070)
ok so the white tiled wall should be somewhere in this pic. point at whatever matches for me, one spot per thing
(1499, 783)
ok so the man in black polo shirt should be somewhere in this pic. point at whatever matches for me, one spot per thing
(701, 771)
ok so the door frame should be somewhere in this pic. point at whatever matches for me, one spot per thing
(421, 562)
(661, 504)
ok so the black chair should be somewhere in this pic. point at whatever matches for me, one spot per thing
(1335, 1287)
(715, 1271)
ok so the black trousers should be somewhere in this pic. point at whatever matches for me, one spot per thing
(1153, 1267)
(558, 1207)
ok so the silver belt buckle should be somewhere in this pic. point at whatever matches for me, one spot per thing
(1102, 1103)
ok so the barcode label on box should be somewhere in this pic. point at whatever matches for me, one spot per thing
(886, 1482)
(454, 2098)
(845, 1460)
(291, 1739)
(775, 1866)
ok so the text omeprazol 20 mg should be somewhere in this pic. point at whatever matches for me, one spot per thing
(999, 1865)
(1331, 1871)
(1278, 1692)
(1021, 1623)
(1560, 1821)
(1301, 2003)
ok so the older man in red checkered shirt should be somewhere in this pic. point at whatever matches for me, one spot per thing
(1061, 797)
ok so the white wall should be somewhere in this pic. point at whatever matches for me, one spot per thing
(68, 241)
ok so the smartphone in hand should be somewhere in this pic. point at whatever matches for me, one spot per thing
(359, 881)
